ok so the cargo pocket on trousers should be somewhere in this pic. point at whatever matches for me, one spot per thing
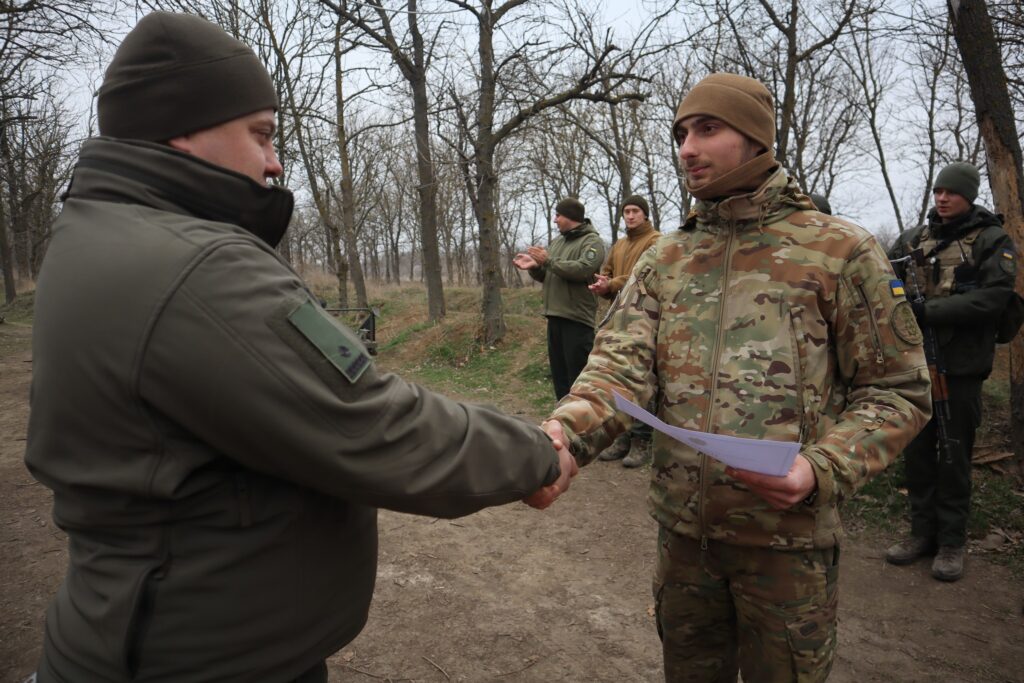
(812, 635)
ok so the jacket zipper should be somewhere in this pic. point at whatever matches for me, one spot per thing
(798, 373)
(876, 338)
(702, 479)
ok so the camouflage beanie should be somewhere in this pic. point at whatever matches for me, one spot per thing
(571, 208)
(820, 203)
(743, 103)
(959, 177)
(638, 201)
(175, 74)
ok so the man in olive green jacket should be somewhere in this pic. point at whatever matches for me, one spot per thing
(567, 267)
(217, 445)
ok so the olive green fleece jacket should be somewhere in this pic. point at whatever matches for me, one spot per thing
(573, 259)
(217, 475)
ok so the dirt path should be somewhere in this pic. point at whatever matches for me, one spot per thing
(515, 595)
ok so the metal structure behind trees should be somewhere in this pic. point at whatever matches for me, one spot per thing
(363, 321)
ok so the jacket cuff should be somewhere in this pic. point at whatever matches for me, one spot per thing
(825, 494)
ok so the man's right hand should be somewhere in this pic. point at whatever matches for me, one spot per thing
(566, 464)
(601, 285)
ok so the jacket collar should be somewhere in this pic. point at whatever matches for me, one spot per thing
(580, 230)
(639, 231)
(154, 175)
(976, 217)
(775, 199)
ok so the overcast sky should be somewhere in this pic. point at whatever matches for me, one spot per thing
(860, 196)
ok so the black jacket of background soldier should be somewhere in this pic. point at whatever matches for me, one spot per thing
(215, 442)
(967, 282)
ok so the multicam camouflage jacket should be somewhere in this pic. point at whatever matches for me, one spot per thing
(761, 318)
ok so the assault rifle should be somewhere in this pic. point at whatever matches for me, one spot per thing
(936, 368)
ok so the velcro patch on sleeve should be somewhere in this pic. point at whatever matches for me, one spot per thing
(896, 287)
(332, 339)
(1008, 262)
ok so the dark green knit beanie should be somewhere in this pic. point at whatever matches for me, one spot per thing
(959, 177)
(571, 208)
(638, 201)
(175, 74)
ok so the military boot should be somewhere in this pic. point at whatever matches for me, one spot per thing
(618, 449)
(909, 549)
(948, 565)
(639, 453)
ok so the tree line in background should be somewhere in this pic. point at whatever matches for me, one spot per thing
(428, 141)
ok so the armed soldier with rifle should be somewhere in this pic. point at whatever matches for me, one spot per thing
(960, 268)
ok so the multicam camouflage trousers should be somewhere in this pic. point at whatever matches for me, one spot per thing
(769, 614)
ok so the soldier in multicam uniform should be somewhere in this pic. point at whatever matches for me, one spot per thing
(967, 280)
(760, 318)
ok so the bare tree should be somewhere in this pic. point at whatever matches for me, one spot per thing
(976, 40)
(36, 39)
(524, 83)
(413, 61)
(872, 66)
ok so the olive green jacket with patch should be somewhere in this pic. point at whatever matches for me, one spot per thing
(760, 318)
(967, 282)
(215, 442)
(573, 259)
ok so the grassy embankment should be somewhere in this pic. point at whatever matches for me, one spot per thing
(514, 376)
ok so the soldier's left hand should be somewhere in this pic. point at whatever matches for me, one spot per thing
(780, 492)
(539, 254)
(524, 262)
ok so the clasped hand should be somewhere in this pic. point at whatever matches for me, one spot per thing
(600, 285)
(534, 257)
(567, 466)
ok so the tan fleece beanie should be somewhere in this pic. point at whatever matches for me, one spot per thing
(743, 103)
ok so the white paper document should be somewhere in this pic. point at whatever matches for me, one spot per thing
(757, 455)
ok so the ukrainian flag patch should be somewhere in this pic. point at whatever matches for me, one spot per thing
(896, 286)
(1007, 254)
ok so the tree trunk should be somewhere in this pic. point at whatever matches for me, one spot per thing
(425, 170)
(348, 201)
(486, 214)
(6, 259)
(975, 37)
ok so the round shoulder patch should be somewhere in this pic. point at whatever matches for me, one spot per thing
(1007, 262)
(904, 324)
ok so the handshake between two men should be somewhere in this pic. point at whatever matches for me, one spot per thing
(797, 486)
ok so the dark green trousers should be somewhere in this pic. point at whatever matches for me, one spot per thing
(939, 487)
(569, 344)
